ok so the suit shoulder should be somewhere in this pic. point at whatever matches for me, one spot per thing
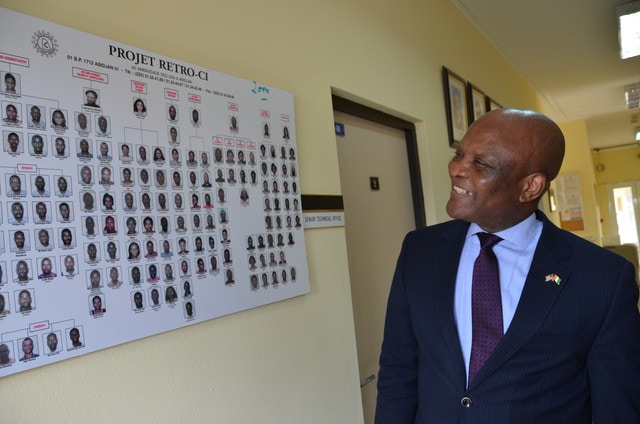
(590, 253)
(437, 233)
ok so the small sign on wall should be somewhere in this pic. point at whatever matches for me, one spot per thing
(323, 219)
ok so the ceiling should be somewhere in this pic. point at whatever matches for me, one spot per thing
(568, 51)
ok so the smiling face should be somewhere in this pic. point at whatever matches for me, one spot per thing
(502, 167)
(12, 113)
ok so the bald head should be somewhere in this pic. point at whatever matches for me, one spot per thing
(503, 166)
(538, 138)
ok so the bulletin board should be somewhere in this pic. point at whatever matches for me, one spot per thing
(138, 194)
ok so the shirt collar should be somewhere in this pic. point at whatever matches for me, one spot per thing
(519, 235)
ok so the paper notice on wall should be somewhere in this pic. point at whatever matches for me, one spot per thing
(569, 193)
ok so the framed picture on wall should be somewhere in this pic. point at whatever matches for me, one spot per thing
(477, 102)
(455, 101)
(492, 104)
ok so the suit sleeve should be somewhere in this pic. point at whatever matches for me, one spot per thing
(614, 360)
(398, 377)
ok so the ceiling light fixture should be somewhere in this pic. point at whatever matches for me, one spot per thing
(628, 23)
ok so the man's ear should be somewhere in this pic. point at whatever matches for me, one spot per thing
(533, 187)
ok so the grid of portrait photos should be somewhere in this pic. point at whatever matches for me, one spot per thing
(127, 220)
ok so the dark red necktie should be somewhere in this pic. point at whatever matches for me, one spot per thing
(486, 304)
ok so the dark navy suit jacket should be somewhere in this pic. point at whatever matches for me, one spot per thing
(571, 354)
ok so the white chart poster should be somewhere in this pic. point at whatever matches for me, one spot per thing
(138, 194)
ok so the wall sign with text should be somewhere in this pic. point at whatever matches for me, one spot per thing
(138, 194)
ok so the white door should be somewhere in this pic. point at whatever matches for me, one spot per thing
(375, 224)
(624, 209)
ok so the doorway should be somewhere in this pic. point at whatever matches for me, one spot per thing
(378, 213)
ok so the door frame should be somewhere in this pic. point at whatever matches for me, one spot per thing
(340, 104)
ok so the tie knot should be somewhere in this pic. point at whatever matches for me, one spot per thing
(488, 240)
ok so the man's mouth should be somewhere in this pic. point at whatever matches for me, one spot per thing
(462, 191)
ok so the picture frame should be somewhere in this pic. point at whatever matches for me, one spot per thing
(455, 101)
(477, 102)
(492, 104)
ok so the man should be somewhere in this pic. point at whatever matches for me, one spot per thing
(13, 142)
(153, 274)
(86, 175)
(128, 202)
(43, 238)
(142, 156)
(15, 185)
(166, 249)
(41, 186)
(19, 241)
(136, 275)
(155, 297)
(27, 349)
(151, 252)
(137, 300)
(104, 152)
(61, 147)
(74, 336)
(17, 211)
(112, 251)
(105, 176)
(63, 187)
(67, 238)
(565, 343)
(64, 212)
(94, 280)
(47, 269)
(24, 299)
(52, 342)
(168, 272)
(92, 253)
(5, 358)
(37, 145)
(114, 276)
(42, 213)
(82, 123)
(85, 152)
(69, 266)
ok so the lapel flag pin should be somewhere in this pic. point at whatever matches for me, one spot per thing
(554, 278)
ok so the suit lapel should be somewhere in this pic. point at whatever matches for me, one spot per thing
(445, 262)
(537, 299)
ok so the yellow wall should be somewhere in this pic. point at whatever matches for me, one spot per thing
(619, 165)
(294, 361)
(577, 160)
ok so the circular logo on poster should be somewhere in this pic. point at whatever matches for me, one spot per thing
(44, 43)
